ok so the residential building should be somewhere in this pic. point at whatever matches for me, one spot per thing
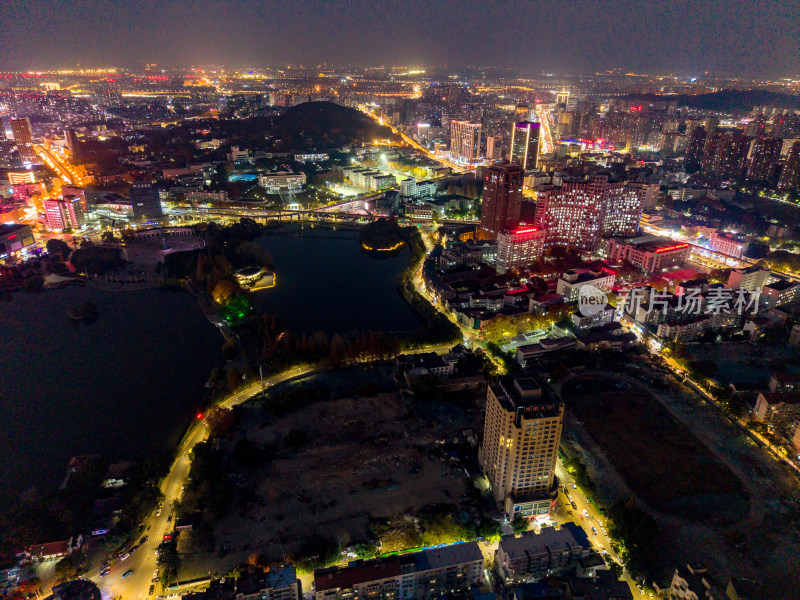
(417, 189)
(776, 407)
(650, 253)
(749, 278)
(422, 575)
(570, 283)
(790, 173)
(465, 140)
(64, 213)
(237, 155)
(779, 293)
(764, 154)
(281, 181)
(520, 444)
(280, 582)
(501, 200)
(728, 243)
(519, 247)
(693, 583)
(525, 145)
(534, 556)
(579, 214)
(599, 319)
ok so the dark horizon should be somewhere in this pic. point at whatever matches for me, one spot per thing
(738, 38)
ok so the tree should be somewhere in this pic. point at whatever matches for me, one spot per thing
(220, 420)
(519, 524)
(56, 246)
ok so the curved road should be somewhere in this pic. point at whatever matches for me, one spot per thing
(143, 561)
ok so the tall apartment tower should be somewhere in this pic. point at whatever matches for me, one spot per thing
(525, 144)
(790, 174)
(465, 140)
(520, 444)
(764, 154)
(577, 214)
(23, 136)
(72, 142)
(694, 149)
(145, 201)
(501, 200)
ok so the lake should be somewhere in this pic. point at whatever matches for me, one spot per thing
(121, 387)
(325, 282)
(128, 384)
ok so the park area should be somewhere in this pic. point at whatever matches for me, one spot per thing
(657, 456)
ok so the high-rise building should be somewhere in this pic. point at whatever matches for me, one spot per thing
(501, 202)
(145, 201)
(725, 154)
(465, 140)
(519, 247)
(579, 214)
(64, 213)
(764, 154)
(494, 147)
(520, 444)
(525, 144)
(72, 142)
(694, 149)
(23, 136)
(790, 174)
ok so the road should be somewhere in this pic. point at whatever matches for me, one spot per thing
(565, 513)
(143, 560)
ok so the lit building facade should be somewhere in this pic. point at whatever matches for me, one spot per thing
(650, 253)
(64, 213)
(579, 214)
(525, 144)
(465, 140)
(521, 435)
(145, 201)
(23, 136)
(519, 247)
(501, 199)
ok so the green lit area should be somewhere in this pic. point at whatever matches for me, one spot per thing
(237, 310)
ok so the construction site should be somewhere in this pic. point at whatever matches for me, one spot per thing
(338, 466)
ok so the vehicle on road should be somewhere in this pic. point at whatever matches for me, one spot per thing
(574, 506)
(585, 513)
(144, 539)
(594, 530)
(574, 487)
(169, 518)
(158, 512)
(124, 556)
(167, 536)
(152, 589)
(126, 573)
(105, 571)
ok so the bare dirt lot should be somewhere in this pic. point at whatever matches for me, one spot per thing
(335, 466)
(656, 455)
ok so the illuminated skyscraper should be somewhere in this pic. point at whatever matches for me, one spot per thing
(501, 199)
(465, 140)
(73, 144)
(521, 435)
(525, 144)
(64, 213)
(23, 136)
(764, 154)
(694, 149)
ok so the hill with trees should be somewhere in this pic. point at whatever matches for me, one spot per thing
(725, 100)
(324, 125)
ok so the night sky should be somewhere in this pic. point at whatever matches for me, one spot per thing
(760, 39)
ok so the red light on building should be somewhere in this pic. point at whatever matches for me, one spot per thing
(199, 416)
(671, 248)
(607, 270)
(526, 230)
(518, 290)
(11, 237)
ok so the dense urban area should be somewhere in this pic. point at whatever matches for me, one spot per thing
(596, 391)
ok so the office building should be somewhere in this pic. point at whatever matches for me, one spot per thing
(570, 283)
(525, 144)
(520, 445)
(23, 136)
(650, 253)
(579, 214)
(21, 178)
(764, 154)
(424, 575)
(534, 556)
(145, 201)
(64, 213)
(465, 140)
(501, 199)
(790, 173)
(519, 247)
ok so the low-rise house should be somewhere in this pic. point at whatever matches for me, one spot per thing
(534, 556)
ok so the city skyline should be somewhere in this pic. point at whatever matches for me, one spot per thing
(660, 38)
